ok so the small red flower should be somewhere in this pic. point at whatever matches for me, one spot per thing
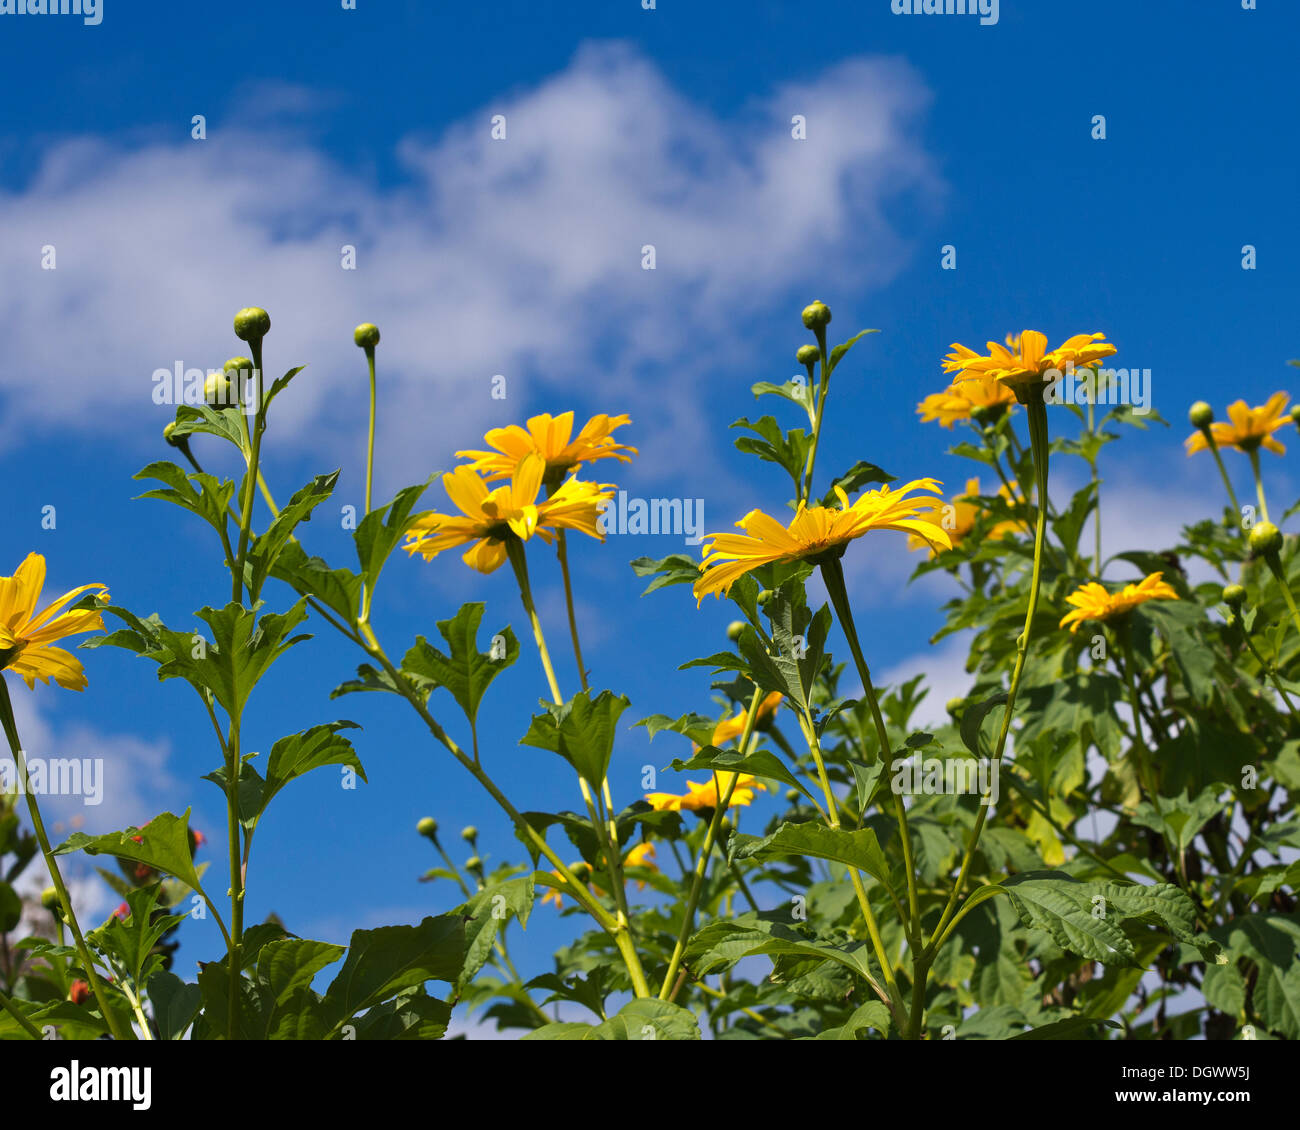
(79, 993)
(199, 838)
(137, 839)
(123, 912)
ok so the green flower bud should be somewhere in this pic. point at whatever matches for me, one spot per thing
(764, 596)
(792, 795)
(954, 705)
(581, 870)
(1295, 414)
(167, 435)
(1201, 415)
(734, 629)
(808, 354)
(428, 827)
(366, 335)
(238, 365)
(252, 323)
(1234, 596)
(469, 834)
(817, 316)
(50, 900)
(473, 863)
(218, 392)
(1265, 540)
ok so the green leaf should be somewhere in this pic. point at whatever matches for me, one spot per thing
(837, 354)
(647, 1019)
(582, 731)
(854, 479)
(467, 672)
(759, 763)
(280, 385)
(300, 753)
(382, 529)
(175, 1004)
(224, 423)
(675, 569)
(337, 589)
(383, 962)
(487, 915)
(210, 501)
(871, 1015)
(266, 548)
(1071, 1028)
(795, 390)
(774, 445)
(163, 843)
(972, 720)
(696, 727)
(131, 941)
(858, 849)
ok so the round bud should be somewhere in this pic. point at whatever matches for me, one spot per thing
(167, 434)
(469, 833)
(473, 863)
(581, 870)
(252, 323)
(764, 596)
(50, 900)
(217, 390)
(428, 826)
(366, 335)
(1201, 415)
(808, 354)
(1234, 596)
(1265, 540)
(817, 316)
(792, 795)
(734, 629)
(238, 365)
(1295, 414)
(954, 705)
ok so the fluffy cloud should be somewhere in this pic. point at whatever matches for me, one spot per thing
(520, 257)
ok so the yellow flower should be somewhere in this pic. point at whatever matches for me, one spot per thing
(1026, 360)
(964, 515)
(813, 531)
(1093, 602)
(552, 438)
(962, 398)
(492, 516)
(706, 796)
(25, 636)
(730, 728)
(1251, 428)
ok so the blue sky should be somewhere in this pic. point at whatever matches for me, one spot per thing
(522, 257)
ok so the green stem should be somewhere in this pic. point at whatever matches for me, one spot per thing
(833, 575)
(370, 445)
(1223, 471)
(562, 552)
(1259, 482)
(1274, 563)
(1270, 671)
(65, 900)
(823, 385)
(25, 1024)
(1037, 414)
(701, 864)
(250, 478)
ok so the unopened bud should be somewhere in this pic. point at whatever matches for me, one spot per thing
(808, 354)
(428, 827)
(734, 629)
(1201, 415)
(816, 316)
(1265, 540)
(1234, 596)
(469, 833)
(366, 335)
(252, 323)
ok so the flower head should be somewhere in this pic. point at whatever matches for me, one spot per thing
(961, 519)
(1250, 428)
(26, 636)
(1093, 602)
(1026, 360)
(730, 728)
(706, 796)
(641, 856)
(963, 399)
(552, 438)
(489, 517)
(815, 530)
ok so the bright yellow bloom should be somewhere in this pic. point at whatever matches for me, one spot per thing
(1250, 428)
(730, 728)
(962, 398)
(1027, 360)
(814, 530)
(492, 516)
(1093, 602)
(25, 636)
(961, 521)
(706, 796)
(552, 438)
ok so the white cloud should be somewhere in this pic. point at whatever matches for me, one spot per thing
(520, 257)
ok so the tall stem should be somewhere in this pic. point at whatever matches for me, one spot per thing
(701, 864)
(562, 552)
(1037, 413)
(1223, 472)
(370, 447)
(250, 477)
(65, 900)
(1259, 483)
(805, 494)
